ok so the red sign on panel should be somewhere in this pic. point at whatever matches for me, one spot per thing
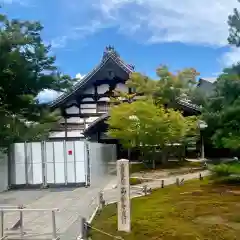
(69, 152)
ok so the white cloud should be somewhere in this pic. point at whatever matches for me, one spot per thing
(80, 76)
(231, 57)
(155, 21)
(24, 3)
(77, 33)
(186, 21)
(59, 42)
(47, 96)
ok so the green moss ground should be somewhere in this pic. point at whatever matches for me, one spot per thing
(198, 210)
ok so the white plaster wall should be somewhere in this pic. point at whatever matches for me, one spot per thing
(87, 100)
(72, 120)
(75, 120)
(75, 133)
(121, 87)
(104, 99)
(102, 88)
(88, 108)
(72, 110)
(89, 90)
(88, 105)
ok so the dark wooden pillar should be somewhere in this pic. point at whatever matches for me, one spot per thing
(65, 127)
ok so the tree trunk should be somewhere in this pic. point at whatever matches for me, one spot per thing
(153, 158)
(129, 154)
(164, 156)
(153, 164)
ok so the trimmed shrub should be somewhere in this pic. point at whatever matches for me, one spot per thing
(221, 170)
(136, 181)
(137, 167)
(227, 173)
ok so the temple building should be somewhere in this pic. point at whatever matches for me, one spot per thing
(90, 98)
(85, 109)
(206, 85)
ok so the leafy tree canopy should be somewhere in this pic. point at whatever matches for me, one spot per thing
(26, 68)
(222, 110)
(168, 88)
(234, 28)
(142, 123)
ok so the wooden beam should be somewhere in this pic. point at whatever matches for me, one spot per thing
(65, 127)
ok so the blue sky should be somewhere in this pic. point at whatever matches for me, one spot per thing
(146, 33)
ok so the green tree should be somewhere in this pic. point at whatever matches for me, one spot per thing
(142, 124)
(26, 69)
(222, 111)
(234, 28)
(168, 87)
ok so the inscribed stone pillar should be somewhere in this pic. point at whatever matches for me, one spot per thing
(124, 221)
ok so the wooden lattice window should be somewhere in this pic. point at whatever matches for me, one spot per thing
(103, 107)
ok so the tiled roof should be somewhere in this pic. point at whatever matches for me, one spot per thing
(108, 55)
(209, 79)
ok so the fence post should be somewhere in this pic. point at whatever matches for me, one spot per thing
(177, 182)
(84, 229)
(2, 224)
(54, 229)
(162, 185)
(21, 224)
(145, 190)
(101, 201)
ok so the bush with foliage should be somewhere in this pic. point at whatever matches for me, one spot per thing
(225, 171)
(135, 181)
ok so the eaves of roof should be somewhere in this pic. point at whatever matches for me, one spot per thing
(127, 68)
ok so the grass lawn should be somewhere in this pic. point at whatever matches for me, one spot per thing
(197, 210)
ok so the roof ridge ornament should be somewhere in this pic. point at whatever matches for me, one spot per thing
(110, 50)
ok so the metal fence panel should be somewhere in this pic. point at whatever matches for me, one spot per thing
(3, 171)
(35, 164)
(80, 161)
(18, 169)
(59, 162)
(50, 163)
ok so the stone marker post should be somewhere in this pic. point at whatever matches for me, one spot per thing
(124, 221)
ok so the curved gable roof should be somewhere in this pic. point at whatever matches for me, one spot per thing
(110, 54)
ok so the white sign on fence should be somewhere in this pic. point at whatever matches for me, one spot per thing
(124, 221)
